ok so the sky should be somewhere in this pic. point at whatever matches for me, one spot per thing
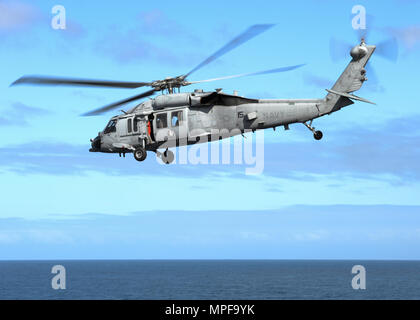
(354, 194)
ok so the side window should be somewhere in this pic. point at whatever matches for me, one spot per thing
(162, 120)
(135, 124)
(129, 127)
(176, 118)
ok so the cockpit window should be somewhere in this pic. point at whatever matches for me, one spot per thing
(111, 126)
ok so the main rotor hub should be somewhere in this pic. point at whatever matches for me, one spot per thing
(169, 83)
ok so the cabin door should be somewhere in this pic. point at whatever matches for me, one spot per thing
(171, 125)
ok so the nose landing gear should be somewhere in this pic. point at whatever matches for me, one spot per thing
(317, 134)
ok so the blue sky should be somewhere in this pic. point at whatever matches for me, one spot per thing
(60, 201)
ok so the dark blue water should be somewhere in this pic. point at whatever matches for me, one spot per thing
(211, 279)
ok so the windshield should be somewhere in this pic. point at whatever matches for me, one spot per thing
(111, 126)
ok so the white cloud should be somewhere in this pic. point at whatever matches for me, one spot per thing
(7, 237)
(15, 15)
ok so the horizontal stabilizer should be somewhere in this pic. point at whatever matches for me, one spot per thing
(351, 96)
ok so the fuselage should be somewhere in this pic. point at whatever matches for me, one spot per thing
(190, 118)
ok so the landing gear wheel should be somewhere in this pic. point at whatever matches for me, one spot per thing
(140, 154)
(318, 135)
(168, 156)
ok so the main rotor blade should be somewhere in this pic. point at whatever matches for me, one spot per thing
(116, 104)
(242, 38)
(284, 69)
(42, 80)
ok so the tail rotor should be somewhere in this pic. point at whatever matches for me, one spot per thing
(386, 49)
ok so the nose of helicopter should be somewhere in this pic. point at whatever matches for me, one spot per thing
(96, 144)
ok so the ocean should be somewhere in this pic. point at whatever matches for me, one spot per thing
(209, 279)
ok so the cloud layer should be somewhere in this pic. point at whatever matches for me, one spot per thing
(389, 152)
(151, 38)
(304, 232)
(20, 114)
(15, 15)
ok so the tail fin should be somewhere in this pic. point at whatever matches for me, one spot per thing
(350, 80)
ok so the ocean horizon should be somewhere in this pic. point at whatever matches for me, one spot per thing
(209, 279)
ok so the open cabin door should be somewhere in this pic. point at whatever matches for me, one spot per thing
(171, 125)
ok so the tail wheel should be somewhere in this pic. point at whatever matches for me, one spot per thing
(318, 135)
(168, 156)
(140, 154)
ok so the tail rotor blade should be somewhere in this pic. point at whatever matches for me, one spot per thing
(388, 49)
(373, 83)
(339, 49)
(363, 29)
(371, 74)
(362, 34)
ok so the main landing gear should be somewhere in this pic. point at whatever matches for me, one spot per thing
(140, 154)
(167, 156)
(317, 133)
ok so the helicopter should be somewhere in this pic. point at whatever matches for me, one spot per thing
(177, 118)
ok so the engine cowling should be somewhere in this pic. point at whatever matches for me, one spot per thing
(171, 100)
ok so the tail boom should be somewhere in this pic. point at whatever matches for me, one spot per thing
(349, 81)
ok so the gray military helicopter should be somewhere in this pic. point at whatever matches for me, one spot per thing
(175, 118)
